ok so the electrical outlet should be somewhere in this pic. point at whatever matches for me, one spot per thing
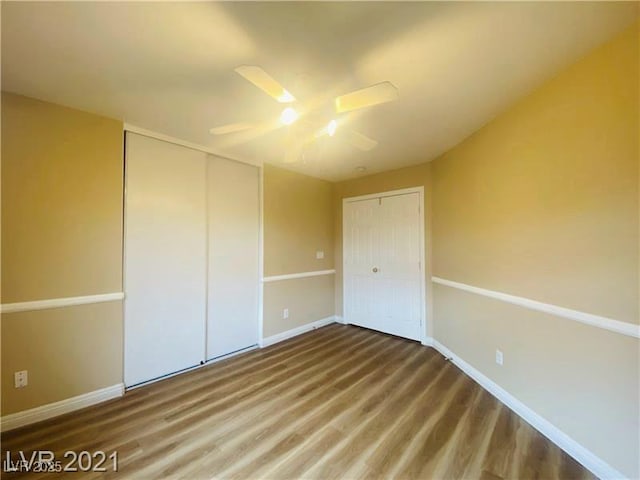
(20, 379)
(319, 255)
(499, 357)
(285, 313)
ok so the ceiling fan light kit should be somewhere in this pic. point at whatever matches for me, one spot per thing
(288, 116)
(332, 127)
(365, 97)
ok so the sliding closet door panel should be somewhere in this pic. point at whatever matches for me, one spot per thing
(165, 258)
(233, 198)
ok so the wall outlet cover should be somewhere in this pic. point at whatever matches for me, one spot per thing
(21, 379)
(319, 255)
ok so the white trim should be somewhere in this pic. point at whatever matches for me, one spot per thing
(390, 193)
(345, 320)
(290, 276)
(60, 302)
(177, 141)
(428, 341)
(339, 319)
(38, 414)
(261, 259)
(205, 319)
(605, 323)
(423, 267)
(123, 266)
(588, 459)
(279, 337)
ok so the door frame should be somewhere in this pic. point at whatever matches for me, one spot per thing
(423, 267)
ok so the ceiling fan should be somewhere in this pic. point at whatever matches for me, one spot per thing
(320, 126)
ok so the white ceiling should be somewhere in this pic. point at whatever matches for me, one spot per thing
(168, 67)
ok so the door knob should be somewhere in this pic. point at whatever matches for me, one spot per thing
(375, 270)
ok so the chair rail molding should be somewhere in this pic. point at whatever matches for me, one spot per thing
(617, 326)
(291, 276)
(60, 302)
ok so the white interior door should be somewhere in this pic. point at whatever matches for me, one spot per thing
(165, 258)
(234, 209)
(382, 264)
(361, 248)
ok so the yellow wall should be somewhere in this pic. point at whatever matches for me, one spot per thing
(61, 237)
(298, 222)
(67, 352)
(308, 299)
(543, 203)
(61, 201)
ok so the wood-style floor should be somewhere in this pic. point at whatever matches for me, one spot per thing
(339, 402)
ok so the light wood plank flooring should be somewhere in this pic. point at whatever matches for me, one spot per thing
(339, 402)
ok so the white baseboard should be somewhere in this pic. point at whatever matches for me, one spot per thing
(33, 415)
(340, 319)
(588, 459)
(279, 337)
(427, 342)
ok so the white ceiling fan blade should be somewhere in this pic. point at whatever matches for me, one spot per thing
(265, 82)
(230, 128)
(367, 97)
(361, 141)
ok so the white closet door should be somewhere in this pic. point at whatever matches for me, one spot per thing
(165, 258)
(234, 209)
(361, 247)
(382, 271)
(398, 262)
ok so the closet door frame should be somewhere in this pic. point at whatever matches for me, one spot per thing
(424, 338)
